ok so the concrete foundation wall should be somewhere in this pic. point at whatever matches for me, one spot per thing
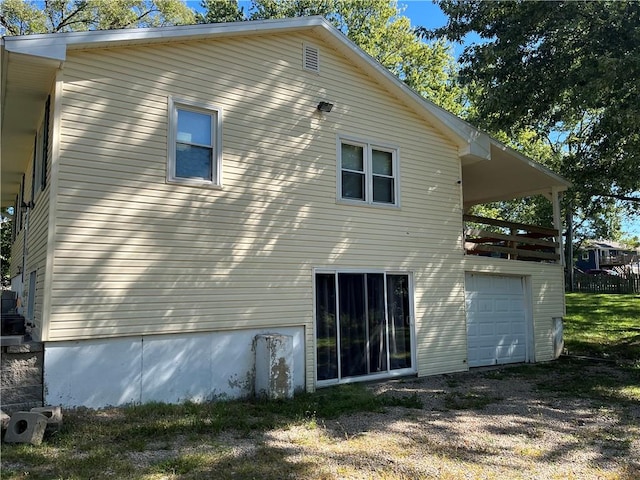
(163, 368)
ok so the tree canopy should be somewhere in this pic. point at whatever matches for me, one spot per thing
(568, 71)
(25, 17)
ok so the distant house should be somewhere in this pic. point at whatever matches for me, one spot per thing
(605, 254)
(179, 191)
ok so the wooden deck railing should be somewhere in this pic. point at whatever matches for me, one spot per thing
(619, 259)
(514, 241)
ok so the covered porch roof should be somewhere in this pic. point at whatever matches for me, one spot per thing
(506, 175)
(26, 82)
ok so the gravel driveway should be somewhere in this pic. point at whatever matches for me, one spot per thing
(483, 424)
(563, 420)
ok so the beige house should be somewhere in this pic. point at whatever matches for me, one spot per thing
(179, 191)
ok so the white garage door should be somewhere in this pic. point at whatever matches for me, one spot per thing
(497, 330)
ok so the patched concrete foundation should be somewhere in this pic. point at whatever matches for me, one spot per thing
(174, 368)
(274, 366)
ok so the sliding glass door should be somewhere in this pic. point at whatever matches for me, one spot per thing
(363, 325)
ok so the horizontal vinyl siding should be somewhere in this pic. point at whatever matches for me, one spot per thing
(135, 255)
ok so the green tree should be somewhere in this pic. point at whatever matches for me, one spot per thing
(568, 71)
(25, 17)
(220, 11)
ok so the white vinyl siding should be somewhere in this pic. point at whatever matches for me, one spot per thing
(135, 255)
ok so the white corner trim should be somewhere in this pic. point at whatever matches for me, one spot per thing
(56, 110)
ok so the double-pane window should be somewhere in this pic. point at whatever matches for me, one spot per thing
(368, 173)
(194, 149)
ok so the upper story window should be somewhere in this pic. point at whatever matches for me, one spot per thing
(195, 152)
(40, 154)
(368, 173)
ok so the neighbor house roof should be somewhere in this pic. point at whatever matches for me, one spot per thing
(607, 245)
(491, 171)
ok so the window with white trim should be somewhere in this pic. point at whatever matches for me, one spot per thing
(368, 173)
(195, 152)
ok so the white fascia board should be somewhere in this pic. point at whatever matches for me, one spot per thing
(37, 46)
(471, 141)
(55, 45)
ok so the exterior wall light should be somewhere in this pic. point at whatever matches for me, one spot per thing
(325, 107)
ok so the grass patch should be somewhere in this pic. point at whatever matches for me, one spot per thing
(99, 444)
(605, 326)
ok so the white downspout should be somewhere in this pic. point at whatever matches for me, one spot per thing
(25, 252)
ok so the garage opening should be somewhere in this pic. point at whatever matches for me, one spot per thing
(498, 320)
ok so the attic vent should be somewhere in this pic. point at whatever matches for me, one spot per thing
(311, 58)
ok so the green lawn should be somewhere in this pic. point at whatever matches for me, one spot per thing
(603, 325)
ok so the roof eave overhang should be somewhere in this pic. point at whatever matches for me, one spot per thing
(27, 79)
(508, 175)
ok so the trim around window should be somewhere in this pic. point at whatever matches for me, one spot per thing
(364, 327)
(194, 143)
(367, 173)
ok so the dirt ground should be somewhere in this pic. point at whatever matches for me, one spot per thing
(492, 424)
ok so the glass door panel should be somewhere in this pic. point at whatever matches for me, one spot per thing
(326, 331)
(353, 326)
(361, 328)
(376, 324)
(399, 321)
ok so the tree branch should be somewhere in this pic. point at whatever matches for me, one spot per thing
(66, 21)
(10, 28)
(624, 198)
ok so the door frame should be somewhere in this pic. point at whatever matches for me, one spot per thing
(375, 376)
(527, 300)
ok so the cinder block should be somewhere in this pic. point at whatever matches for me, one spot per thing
(26, 427)
(53, 414)
(4, 419)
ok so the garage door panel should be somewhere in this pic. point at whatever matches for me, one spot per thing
(496, 320)
(502, 305)
(484, 305)
(503, 328)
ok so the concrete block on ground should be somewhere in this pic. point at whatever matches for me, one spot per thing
(26, 427)
(4, 420)
(53, 414)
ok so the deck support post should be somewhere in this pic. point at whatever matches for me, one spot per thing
(557, 221)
